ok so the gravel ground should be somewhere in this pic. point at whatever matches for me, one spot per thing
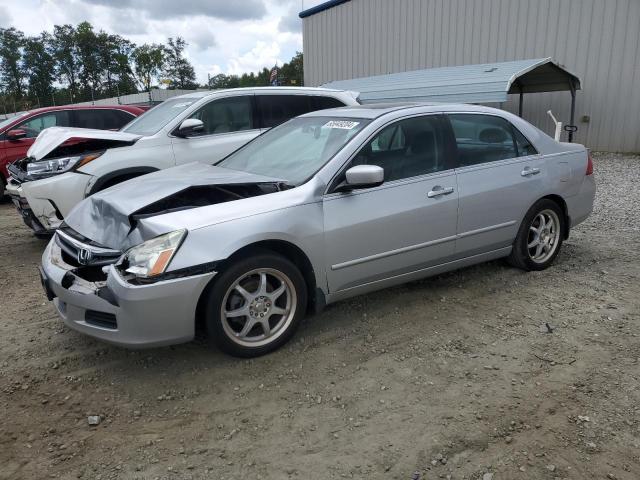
(451, 377)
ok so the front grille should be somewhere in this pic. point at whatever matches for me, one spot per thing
(80, 252)
(101, 319)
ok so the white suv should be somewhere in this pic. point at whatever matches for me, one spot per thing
(65, 165)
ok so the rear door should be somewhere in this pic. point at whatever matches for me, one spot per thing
(406, 224)
(100, 118)
(229, 123)
(500, 175)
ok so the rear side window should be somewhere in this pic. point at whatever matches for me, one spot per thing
(277, 109)
(36, 124)
(482, 138)
(226, 115)
(322, 103)
(524, 146)
(101, 119)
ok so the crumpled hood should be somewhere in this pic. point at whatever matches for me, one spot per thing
(105, 217)
(51, 138)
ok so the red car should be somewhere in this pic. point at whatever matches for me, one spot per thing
(18, 132)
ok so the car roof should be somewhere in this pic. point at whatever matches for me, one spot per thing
(310, 90)
(128, 108)
(375, 110)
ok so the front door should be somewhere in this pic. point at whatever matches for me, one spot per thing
(228, 125)
(406, 224)
(15, 149)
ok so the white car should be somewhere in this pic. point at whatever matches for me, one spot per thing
(66, 165)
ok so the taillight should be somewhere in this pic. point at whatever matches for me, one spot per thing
(589, 165)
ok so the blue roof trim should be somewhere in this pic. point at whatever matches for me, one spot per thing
(320, 8)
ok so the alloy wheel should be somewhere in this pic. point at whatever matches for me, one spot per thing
(258, 307)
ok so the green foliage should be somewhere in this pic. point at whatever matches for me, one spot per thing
(288, 74)
(79, 63)
(148, 61)
(178, 71)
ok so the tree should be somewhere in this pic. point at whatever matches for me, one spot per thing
(178, 70)
(115, 53)
(148, 62)
(65, 53)
(39, 67)
(12, 42)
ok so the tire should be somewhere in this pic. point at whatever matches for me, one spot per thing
(536, 249)
(2, 190)
(262, 319)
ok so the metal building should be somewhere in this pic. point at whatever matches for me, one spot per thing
(598, 40)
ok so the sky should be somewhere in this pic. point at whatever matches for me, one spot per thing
(224, 36)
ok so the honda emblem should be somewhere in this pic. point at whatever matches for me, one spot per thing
(84, 256)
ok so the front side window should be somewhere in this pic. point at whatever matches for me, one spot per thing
(226, 115)
(296, 150)
(35, 125)
(407, 148)
(152, 121)
(482, 138)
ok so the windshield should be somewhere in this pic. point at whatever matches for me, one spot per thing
(150, 122)
(295, 150)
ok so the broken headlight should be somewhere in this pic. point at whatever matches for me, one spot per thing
(152, 257)
(46, 168)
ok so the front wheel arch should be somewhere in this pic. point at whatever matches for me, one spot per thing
(119, 176)
(293, 253)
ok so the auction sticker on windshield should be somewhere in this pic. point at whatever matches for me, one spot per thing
(344, 124)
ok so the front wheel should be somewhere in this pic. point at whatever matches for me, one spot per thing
(540, 237)
(255, 305)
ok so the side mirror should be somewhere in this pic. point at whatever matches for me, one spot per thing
(363, 176)
(16, 134)
(189, 127)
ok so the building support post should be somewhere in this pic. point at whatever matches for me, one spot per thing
(573, 111)
(520, 104)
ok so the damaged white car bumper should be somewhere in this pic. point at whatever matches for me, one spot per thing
(118, 312)
(34, 200)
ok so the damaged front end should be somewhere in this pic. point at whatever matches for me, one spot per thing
(64, 158)
(92, 297)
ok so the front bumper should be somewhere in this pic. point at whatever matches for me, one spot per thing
(44, 203)
(117, 312)
(14, 191)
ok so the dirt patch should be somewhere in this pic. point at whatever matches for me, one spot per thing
(454, 377)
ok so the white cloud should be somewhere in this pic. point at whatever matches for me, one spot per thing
(260, 56)
(224, 36)
(166, 9)
(291, 22)
(5, 17)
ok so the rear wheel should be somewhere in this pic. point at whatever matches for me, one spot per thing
(255, 305)
(540, 237)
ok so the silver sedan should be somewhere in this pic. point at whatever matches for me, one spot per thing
(329, 205)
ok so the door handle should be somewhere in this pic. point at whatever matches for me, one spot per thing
(438, 191)
(529, 171)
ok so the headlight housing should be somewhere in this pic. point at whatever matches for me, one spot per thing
(151, 258)
(47, 168)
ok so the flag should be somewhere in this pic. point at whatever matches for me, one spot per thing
(273, 78)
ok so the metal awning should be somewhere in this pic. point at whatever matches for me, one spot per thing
(481, 83)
